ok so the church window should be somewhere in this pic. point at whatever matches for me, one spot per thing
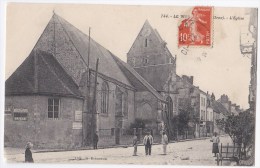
(104, 98)
(146, 43)
(125, 104)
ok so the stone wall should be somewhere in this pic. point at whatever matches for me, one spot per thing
(38, 128)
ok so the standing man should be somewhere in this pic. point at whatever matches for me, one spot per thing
(135, 141)
(95, 140)
(164, 142)
(148, 142)
(215, 140)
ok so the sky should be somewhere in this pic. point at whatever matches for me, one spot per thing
(221, 68)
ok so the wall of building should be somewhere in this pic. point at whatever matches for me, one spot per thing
(107, 121)
(43, 132)
(146, 108)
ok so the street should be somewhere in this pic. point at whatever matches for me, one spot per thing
(195, 152)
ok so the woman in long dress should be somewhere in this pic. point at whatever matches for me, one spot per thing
(215, 139)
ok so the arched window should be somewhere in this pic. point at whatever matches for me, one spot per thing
(104, 98)
(146, 43)
(169, 106)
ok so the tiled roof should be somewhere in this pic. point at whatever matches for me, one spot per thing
(41, 73)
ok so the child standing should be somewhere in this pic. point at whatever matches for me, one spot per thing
(135, 141)
(28, 153)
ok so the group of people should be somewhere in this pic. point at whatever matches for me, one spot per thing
(148, 142)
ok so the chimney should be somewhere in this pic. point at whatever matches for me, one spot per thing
(188, 79)
(212, 96)
(191, 80)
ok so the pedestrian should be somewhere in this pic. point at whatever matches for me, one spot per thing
(165, 142)
(135, 142)
(215, 139)
(28, 153)
(148, 142)
(95, 140)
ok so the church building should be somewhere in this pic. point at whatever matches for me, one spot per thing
(70, 86)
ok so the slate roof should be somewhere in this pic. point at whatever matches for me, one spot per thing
(41, 73)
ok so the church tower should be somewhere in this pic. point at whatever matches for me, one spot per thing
(150, 57)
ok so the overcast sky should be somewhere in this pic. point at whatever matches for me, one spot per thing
(221, 69)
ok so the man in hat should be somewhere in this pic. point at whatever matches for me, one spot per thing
(148, 142)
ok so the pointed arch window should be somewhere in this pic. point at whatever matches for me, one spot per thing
(146, 42)
(169, 107)
(104, 98)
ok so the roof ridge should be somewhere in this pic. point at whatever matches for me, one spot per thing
(71, 39)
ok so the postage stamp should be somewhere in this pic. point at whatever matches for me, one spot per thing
(197, 29)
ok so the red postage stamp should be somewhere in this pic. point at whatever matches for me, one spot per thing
(197, 29)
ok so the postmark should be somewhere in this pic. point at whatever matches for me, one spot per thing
(197, 29)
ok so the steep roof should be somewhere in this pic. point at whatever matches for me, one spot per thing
(150, 72)
(41, 73)
(58, 62)
(61, 35)
(219, 108)
(137, 80)
(159, 41)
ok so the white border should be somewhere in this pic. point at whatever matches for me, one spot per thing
(219, 3)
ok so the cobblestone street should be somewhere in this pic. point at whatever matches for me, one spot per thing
(195, 152)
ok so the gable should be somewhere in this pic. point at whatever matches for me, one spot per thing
(148, 48)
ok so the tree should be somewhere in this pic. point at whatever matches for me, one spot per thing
(240, 128)
(182, 121)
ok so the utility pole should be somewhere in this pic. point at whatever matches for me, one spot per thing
(88, 82)
(94, 111)
(85, 128)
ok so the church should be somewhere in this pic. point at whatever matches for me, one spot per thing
(70, 87)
